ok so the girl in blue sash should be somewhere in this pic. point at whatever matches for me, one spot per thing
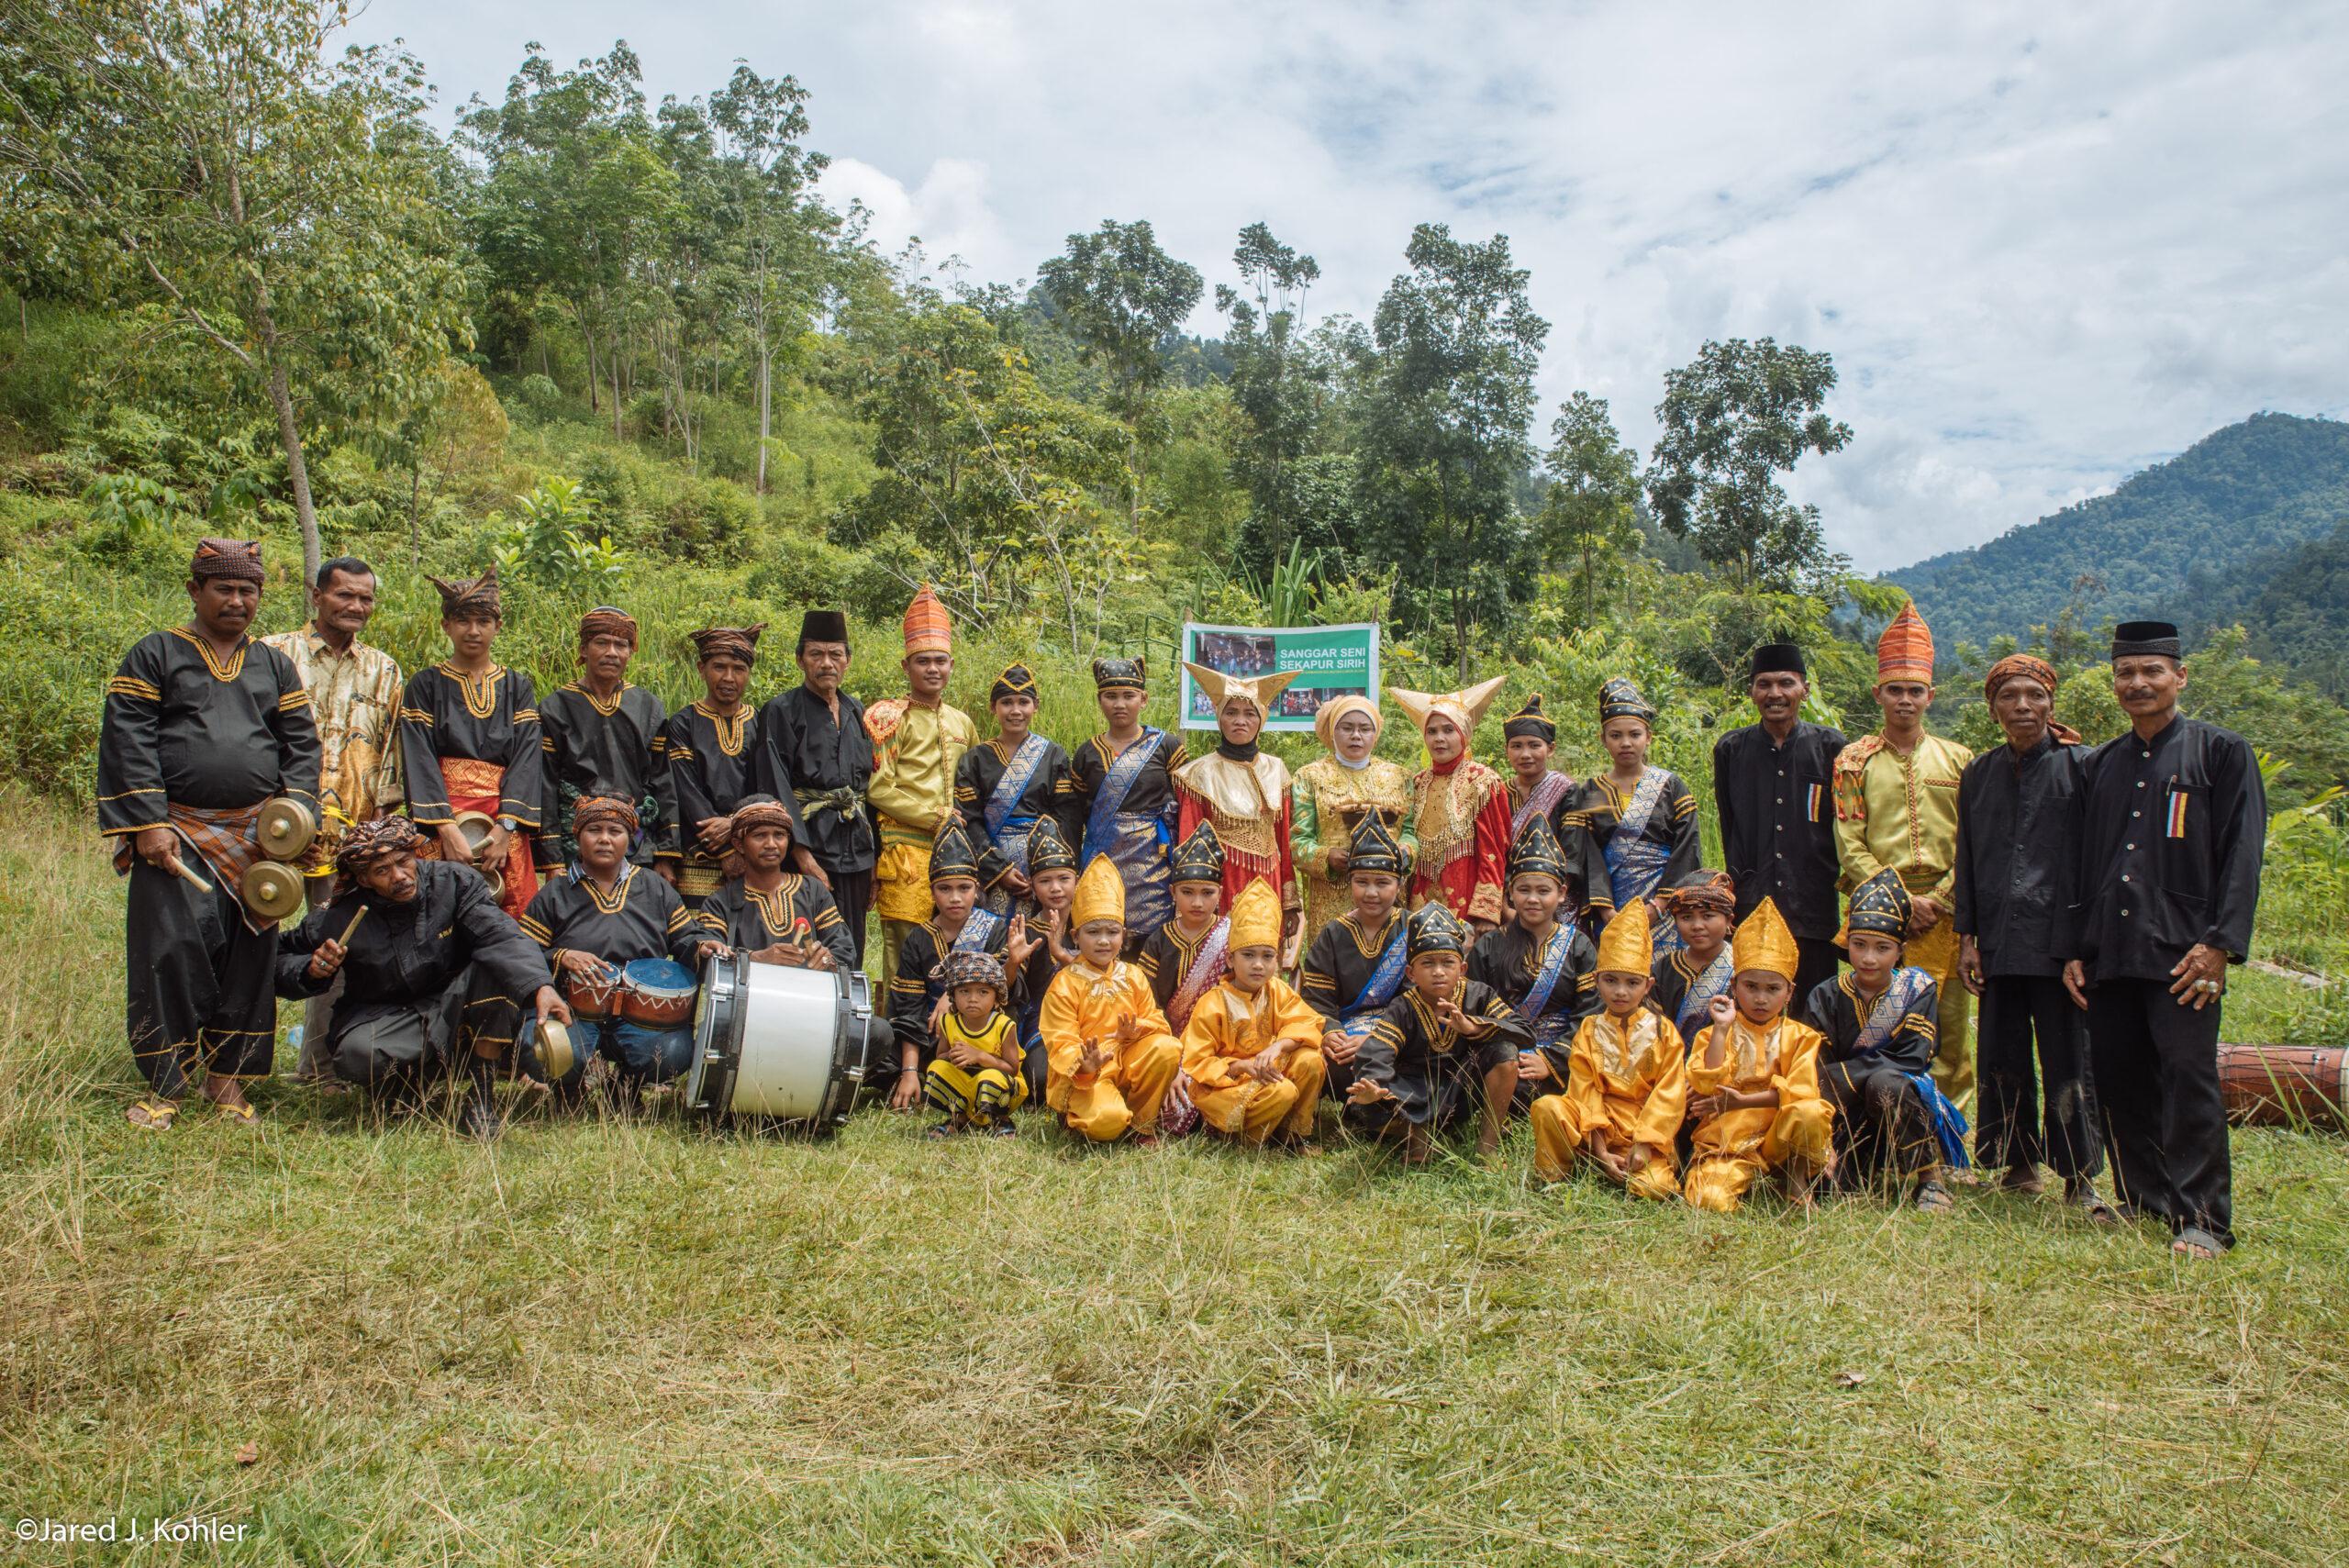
(1545, 970)
(1004, 785)
(1355, 964)
(1127, 795)
(1875, 1067)
(1641, 819)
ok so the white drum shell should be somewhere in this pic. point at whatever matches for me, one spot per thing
(791, 1018)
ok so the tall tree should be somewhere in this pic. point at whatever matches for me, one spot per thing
(1589, 518)
(1735, 419)
(204, 162)
(1278, 382)
(1121, 295)
(1444, 428)
(778, 243)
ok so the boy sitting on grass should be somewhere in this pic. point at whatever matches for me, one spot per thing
(1187, 955)
(1252, 1052)
(1051, 882)
(1355, 964)
(1753, 1079)
(1543, 969)
(976, 1079)
(1703, 908)
(1112, 1055)
(1626, 1089)
(1876, 1063)
(1444, 1047)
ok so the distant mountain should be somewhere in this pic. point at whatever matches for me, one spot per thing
(2218, 522)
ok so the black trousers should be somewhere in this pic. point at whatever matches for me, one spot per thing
(2156, 1068)
(1880, 1122)
(2014, 1129)
(399, 1046)
(1821, 960)
(202, 991)
(852, 891)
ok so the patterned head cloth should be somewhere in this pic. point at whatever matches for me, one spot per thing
(1372, 847)
(1535, 848)
(238, 559)
(1100, 895)
(728, 642)
(1048, 848)
(952, 854)
(1776, 659)
(753, 812)
(928, 629)
(1618, 698)
(1255, 918)
(2025, 667)
(2133, 638)
(1199, 858)
(822, 626)
(1435, 929)
(1905, 651)
(972, 966)
(1223, 690)
(468, 596)
(607, 620)
(1881, 904)
(1529, 721)
(1626, 946)
(594, 809)
(1110, 673)
(1703, 891)
(378, 839)
(1463, 707)
(1017, 680)
(1765, 943)
(1326, 716)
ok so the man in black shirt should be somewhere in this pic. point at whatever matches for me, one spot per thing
(813, 753)
(2170, 848)
(2017, 837)
(1773, 786)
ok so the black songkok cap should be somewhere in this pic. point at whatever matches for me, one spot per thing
(822, 626)
(1776, 658)
(2132, 637)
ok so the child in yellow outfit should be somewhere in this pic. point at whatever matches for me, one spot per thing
(1753, 1078)
(1626, 1086)
(1112, 1057)
(974, 1078)
(1253, 1050)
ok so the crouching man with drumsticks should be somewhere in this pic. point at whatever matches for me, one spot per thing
(203, 726)
(773, 915)
(427, 959)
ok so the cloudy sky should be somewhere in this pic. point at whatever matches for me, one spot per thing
(2047, 245)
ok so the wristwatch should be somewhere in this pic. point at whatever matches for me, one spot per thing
(509, 824)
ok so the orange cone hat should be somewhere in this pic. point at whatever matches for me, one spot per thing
(1626, 946)
(928, 629)
(1905, 651)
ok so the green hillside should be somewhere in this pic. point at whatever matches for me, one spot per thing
(2227, 512)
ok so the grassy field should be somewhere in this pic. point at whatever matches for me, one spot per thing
(617, 1343)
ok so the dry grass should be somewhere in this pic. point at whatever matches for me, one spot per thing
(627, 1343)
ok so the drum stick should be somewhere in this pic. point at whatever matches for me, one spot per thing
(180, 867)
(345, 939)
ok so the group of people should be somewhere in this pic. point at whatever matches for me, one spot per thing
(1149, 942)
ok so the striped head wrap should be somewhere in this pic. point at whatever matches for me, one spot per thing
(972, 966)
(607, 620)
(236, 559)
(728, 642)
(468, 596)
(594, 809)
(379, 839)
(1702, 892)
(753, 812)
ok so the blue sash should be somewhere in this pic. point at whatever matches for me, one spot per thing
(1713, 983)
(1948, 1121)
(1538, 802)
(977, 933)
(1386, 979)
(1635, 862)
(1547, 1026)
(1117, 781)
(998, 811)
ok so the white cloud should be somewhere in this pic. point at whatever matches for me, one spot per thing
(2046, 245)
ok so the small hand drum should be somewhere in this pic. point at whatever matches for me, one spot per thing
(288, 827)
(656, 992)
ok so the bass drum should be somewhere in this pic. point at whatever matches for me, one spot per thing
(2286, 1086)
(791, 1045)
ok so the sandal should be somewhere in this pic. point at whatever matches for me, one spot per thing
(243, 1115)
(2086, 1198)
(153, 1116)
(2024, 1179)
(1932, 1197)
(942, 1130)
(2196, 1244)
